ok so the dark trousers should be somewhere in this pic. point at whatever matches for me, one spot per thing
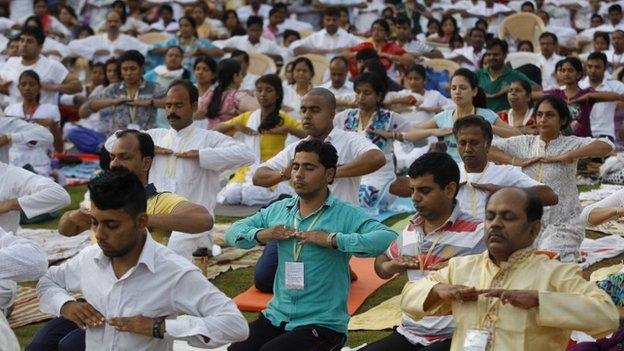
(397, 342)
(59, 334)
(264, 336)
(266, 268)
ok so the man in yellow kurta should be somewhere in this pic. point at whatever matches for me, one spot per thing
(510, 297)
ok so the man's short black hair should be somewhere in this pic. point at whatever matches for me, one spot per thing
(165, 7)
(191, 89)
(474, 121)
(291, 32)
(498, 42)
(616, 8)
(604, 35)
(440, 165)
(597, 55)
(34, 32)
(146, 144)
(476, 29)
(549, 35)
(255, 20)
(243, 54)
(118, 189)
(328, 156)
(331, 11)
(403, 20)
(339, 58)
(134, 56)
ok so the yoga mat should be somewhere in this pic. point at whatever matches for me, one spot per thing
(401, 205)
(235, 211)
(252, 300)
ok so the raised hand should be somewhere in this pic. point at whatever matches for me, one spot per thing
(456, 292)
(525, 162)
(82, 313)
(245, 130)
(525, 299)
(194, 154)
(137, 325)
(162, 151)
(281, 232)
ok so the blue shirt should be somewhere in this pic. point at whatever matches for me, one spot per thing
(323, 301)
(445, 119)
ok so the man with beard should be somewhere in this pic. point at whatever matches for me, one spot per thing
(189, 160)
(134, 289)
(316, 234)
(440, 230)
(511, 297)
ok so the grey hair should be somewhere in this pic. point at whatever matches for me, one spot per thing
(327, 96)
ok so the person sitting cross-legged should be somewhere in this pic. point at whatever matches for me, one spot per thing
(440, 230)
(138, 294)
(511, 297)
(316, 234)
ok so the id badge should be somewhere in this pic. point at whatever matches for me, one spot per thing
(476, 340)
(294, 276)
(133, 126)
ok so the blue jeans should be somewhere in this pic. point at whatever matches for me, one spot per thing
(58, 334)
(266, 268)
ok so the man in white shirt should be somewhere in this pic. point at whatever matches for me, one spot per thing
(21, 190)
(16, 131)
(566, 36)
(252, 42)
(166, 23)
(549, 45)
(138, 294)
(189, 160)
(338, 72)
(103, 46)
(329, 41)
(357, 156)
(603, 113)
(470, 56)
(254, 8)
(480, 178)
(54, 77)
(615, 56)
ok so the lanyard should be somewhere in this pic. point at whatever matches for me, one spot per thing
(539, 171)
(132, 110)
(422, 263)
(298, 245)
(473, 191)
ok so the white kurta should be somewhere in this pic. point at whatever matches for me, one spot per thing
(35, 194)
(88, 46)
(49, 71)
(197, 180)
(22, 133)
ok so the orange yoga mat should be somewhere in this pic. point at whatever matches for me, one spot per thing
(252, 300)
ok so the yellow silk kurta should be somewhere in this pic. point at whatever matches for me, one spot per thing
(566, 302)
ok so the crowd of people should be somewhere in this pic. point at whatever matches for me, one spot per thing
(324, 114)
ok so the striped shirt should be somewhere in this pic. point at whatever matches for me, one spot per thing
(461, 235)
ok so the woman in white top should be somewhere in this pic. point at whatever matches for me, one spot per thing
(551, 158)
(47, 115)
(303, 72)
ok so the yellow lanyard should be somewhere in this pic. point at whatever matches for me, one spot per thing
(132, 109)
(422, 263)
(298, 245)
(473, 191)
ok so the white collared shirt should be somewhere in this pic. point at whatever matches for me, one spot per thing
(20, 260)
(549, 81)
(197, 180)
(602, 114)
(159, 26)
(49, 71)
(469, 53)
(350, 145)
(473, 201)
(161, 284)
(323, 40)
(246, 11)
(88, 46)
(36, 194)
(241, 42)
(346, 88)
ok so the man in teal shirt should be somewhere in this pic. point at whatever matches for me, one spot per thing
(496, 77)
(317, 234)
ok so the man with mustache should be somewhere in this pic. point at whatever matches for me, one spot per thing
(316, 235)
(189, 160)
(439, 230)
(480, 178)
(511, 297)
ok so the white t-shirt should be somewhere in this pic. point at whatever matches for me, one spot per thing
(37, 155)
(602, 114)
(346, 88)
(49, 71)
(350, 145)
(473, 201)
(431, 99)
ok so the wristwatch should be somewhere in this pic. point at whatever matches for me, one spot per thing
(156, 326)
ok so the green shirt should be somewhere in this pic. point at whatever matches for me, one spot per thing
(484, 81)
(323, 301)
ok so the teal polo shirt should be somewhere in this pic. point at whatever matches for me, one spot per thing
(494, 86)
(323, 301)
